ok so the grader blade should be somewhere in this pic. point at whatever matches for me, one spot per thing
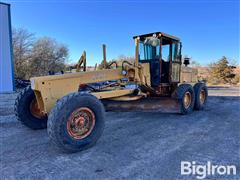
(157, 104)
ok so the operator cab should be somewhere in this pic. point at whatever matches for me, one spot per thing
(163, 53)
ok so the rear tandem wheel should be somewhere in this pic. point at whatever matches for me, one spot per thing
(186, 98)
(201, 95)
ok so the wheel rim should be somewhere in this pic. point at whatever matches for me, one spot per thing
(202, 96)
(187, 99)
(35, 110)
(81, 123)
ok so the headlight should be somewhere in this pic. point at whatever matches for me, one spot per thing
(124, 72)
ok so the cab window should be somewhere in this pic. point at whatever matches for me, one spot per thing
(166, 53)
(176, 52)
(148, 52)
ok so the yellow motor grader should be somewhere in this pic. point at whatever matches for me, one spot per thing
(72, 106)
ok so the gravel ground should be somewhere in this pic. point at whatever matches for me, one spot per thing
(134, 145)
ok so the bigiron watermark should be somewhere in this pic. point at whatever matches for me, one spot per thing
(202, 171)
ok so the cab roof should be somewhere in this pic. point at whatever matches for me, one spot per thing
(158, 35)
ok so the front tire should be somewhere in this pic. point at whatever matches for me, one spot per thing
(27, 111)
(186, 98)
(76, 122)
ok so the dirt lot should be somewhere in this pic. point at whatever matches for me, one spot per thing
(145, 145)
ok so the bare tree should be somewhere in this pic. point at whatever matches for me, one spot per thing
(36, 57)
(119, 60)
(22, 45)
(47, 55)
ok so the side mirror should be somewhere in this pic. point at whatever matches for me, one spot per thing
(186, 61)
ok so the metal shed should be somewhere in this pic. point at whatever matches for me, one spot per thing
(6, 51)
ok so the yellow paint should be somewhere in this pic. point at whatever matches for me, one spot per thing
(145, 73)
(112, 94)
(49, 89)
(188, 75)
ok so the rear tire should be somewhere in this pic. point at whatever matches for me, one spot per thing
(24, 113)
(201, 95)
(186, 98)
(67, 120)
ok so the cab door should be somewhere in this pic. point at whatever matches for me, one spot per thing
(151, 54)
(176, 61)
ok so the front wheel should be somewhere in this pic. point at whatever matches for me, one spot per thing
(27, 110)
(76, 122)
